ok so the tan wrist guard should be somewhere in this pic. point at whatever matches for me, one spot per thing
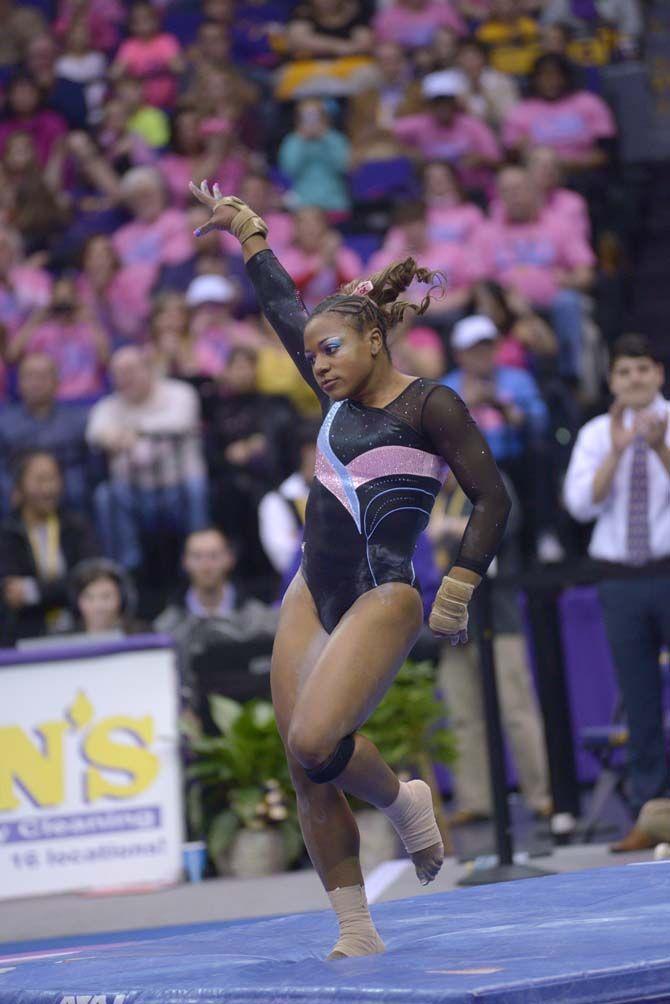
(450, 609)
(245, 223)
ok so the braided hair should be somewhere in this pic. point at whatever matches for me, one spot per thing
(372, 302)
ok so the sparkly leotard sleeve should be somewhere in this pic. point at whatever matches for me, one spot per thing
(282, 304)
(378, 471)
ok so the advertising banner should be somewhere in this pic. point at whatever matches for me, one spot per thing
(90, 789)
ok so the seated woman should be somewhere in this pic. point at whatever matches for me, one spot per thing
(330, 47)
(413, 23)
(576, 124)
(25, 111)
(201, 148)
(103, 598)
(158, 233)
(151, 56)
(69, 333)
(31, 198)
(117, 297)
(452, 219)
(317, 260)
(372, 111)
(315, 158)
(524, 336)
(39, 544)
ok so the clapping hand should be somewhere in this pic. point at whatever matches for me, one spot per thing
(622, 437)
(653, 429)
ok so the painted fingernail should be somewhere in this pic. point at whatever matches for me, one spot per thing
(196, 233)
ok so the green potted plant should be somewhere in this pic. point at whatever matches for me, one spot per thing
(240, 795)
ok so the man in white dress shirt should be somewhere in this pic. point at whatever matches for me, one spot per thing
(619, 476)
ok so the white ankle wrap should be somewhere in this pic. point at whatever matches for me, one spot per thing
(358, 934)
(413, 816)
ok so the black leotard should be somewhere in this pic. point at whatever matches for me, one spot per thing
(378, 471)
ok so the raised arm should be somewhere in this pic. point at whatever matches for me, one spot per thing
(453, 433)
(276, 292)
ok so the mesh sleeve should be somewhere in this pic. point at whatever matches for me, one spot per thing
(454, 435)
(280, 302)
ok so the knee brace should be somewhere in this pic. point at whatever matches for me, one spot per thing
(335, 764)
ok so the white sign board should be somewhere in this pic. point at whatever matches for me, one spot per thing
(90, 789)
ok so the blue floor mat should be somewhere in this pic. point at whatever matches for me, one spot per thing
(594, 937)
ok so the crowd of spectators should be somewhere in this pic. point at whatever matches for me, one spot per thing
(470, 134)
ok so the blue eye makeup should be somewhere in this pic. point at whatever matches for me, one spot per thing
(330, 347)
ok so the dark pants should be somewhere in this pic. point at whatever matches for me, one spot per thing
(637, 620)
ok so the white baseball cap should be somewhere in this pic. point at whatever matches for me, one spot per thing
(472, 330)
(444, 84)
(210, 289)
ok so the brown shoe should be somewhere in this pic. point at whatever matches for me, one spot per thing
(545, 812)
(636, 840)
(466, 816)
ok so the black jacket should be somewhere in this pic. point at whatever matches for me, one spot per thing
(77, 542)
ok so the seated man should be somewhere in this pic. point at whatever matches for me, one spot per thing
(150, 430)
(39, 421)
(544, 260)
(213, 610)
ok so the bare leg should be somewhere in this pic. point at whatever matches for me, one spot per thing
(368, 776)
(326, 820)
(352, 674)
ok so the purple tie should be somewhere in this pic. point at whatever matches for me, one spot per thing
(638, 505)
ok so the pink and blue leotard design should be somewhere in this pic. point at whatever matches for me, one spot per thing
(378, 472)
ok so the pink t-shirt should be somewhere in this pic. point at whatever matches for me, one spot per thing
(563, 205)
(313, 280)
(44, 128)
(526, 256)
(103, 18)
(452, 259)
(149, 60)
(571, 126)
(465, 136)
(413, 28)
(177, 171)
(424, 338)
(454, 224)
(165, 241)
(125, 308)
(28, 288)
(73, 349)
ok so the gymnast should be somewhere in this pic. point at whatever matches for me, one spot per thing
(353, 611)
